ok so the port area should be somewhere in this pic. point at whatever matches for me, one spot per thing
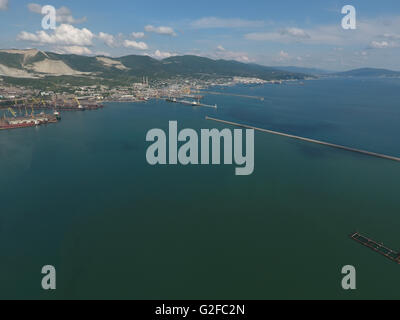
(191, 103)
(20, 117)
(377, 247)
(55, 104)
(28, 121)
(60, 105)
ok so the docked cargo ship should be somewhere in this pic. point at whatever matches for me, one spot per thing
(5, 125)
(26, 122)
(69, 107)
(93, 106)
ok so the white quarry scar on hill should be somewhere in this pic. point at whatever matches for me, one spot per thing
(15, 73)
(112, 63)
(29, 53)
(54, 67)
(39, 68)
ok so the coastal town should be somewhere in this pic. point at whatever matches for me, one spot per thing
(22, 106)
(137, 91)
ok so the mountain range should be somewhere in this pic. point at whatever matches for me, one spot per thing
(362, 72)
(28, 66)
(312, 71)
(369, 72)
(35, 64)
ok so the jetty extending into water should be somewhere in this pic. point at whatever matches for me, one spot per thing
(328, 144)
(377, 247)
(191, 103)
(234, 95)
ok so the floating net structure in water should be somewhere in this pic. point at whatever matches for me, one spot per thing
(378, 247)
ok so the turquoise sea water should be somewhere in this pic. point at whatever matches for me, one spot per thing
(80, 195)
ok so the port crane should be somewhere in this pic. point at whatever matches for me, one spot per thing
(55, 102)
(56, 113)
(35, 101)
(12, 112)
(17, 105)
(79, 104)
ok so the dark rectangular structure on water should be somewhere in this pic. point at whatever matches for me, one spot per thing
(378, 247)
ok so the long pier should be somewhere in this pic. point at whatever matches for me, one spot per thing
(234, 95)
(205, 105)
(377, 247)
(328, 144)
(193, 103)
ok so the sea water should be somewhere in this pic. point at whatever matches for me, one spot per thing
(80, 195)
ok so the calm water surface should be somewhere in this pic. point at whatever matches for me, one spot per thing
(80, 195)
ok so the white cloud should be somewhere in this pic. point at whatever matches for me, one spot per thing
(3, 4)
(382, 44)
(75, 50)
(34, 7)
(64, 14)
(222, 53)
(363, 54)
(162, 55)
(375, 33)
(138, 35)
(27, 36)
(283, 55)
(108, 39)
(135, 45)
(214, 22)
(283, 35)
(161, 30)
(65, 34)
(102, 53)
(295, 32)
(392, 36)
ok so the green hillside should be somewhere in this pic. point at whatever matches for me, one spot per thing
(134, 67)
(191, 65)
(11, 60)
(369, 72)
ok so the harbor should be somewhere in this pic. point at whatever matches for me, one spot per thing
(75, 104)
(17, 116)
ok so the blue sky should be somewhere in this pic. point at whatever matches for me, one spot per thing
(301, 33)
